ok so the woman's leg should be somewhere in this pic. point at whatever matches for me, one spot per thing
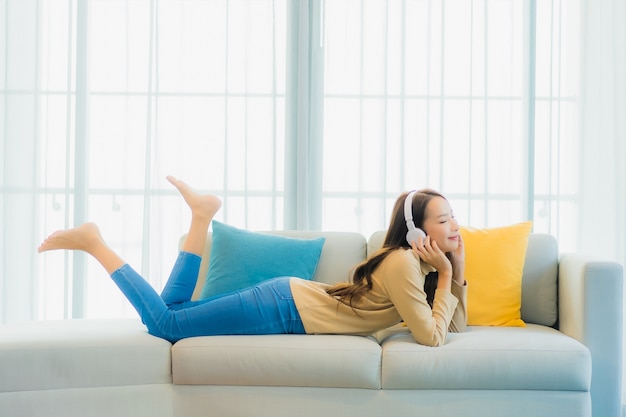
(88, 239)
(151, 308)
(267, 308)
(203, 208)
(182, 280)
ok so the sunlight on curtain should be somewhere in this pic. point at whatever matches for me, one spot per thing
(19, 124)
(101, 100)
(603, 130)
(424, 94)
(557, 142)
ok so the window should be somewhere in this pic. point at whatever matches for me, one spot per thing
(298, 115)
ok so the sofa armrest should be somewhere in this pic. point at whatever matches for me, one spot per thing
(591, 311)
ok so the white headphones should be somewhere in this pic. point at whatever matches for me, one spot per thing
(414, 233)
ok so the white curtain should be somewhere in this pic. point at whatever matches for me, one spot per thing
(298, 114)
(100, 100)
(602, 124)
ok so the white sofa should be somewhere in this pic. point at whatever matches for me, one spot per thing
(565, 362)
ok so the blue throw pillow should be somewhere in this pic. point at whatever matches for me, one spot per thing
(240, 258)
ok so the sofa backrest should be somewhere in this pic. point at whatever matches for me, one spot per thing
(539, 280)
(342, 251)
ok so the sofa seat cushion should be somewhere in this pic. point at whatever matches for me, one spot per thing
(81, 353)
(330, 361)
(501, 358)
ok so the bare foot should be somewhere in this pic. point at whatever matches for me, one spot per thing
(84, 238)
(88, 239)
(200, 204)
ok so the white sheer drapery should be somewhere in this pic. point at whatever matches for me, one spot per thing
(100, 99)
(301, 114)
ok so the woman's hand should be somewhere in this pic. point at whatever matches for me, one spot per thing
(429, 252)
(457, 259)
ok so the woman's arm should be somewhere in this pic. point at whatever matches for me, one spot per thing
(459, 318)
(459, 287)
(457, 259)
(403, 279)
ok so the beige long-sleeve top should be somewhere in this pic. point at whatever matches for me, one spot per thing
(397, 294)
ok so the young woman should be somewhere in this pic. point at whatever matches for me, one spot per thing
(420, 283)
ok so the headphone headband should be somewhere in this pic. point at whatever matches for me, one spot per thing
(408, 210)
(414, 233)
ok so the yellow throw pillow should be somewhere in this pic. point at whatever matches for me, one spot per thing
(494, 262)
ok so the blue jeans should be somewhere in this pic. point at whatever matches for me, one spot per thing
(266, 308)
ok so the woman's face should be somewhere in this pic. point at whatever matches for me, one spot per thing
(440, 225)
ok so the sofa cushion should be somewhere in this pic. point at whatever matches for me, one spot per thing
(241, 258)
(80, 354)
(501, 358)
(331, 361)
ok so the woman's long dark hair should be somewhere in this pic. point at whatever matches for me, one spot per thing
(395, 238)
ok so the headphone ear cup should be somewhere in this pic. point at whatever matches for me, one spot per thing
(413, 235)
